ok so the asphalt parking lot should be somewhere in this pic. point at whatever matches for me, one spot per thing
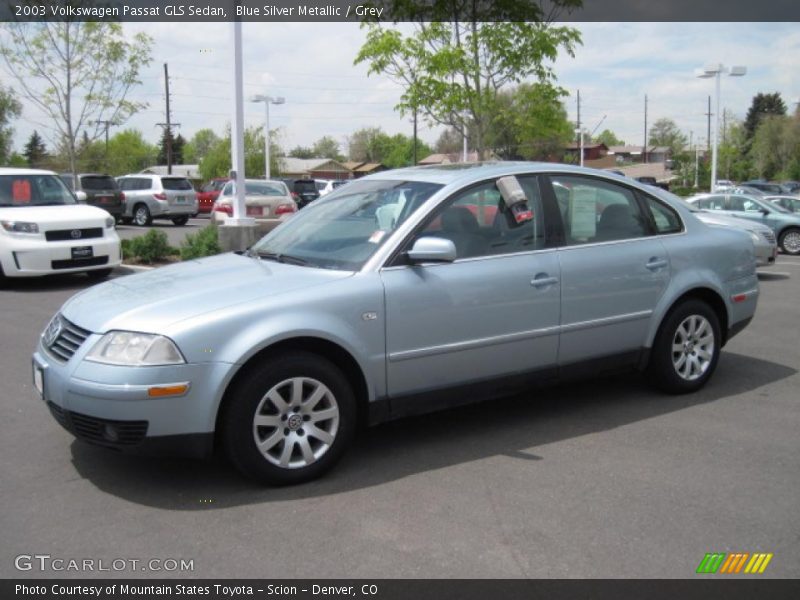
(603, 478)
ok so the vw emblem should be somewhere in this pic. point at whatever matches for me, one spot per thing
(75, 233)
(52, 331)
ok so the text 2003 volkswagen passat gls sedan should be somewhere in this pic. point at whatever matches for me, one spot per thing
(397, 294)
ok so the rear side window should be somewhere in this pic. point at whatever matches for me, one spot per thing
(98, 182)
(666, 220)
(594, 210)
(176, 183)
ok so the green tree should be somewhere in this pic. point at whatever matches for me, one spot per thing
(327, 147)
(217, 162)
(457, 60)
(129, 152)
(733, 160)
(301, 152)
(370, 144)
(178, 142)
(768, 148)
(77, 73)
(763, 105)
(201, 143)
(530, 123)
(449, 141)
(35, 151)
(608, 138)
(665, 132)
(9, 109)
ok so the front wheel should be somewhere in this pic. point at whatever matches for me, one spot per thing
(686, 348)
(289, 419)
(141, 215)
(790, 241)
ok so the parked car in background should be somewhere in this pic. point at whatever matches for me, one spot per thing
(326, 186)
(786, 225)
(97, 189)
(793, 187)
(481, 285)
(766, 187)
(790, 203)
(209, 192)
(268, 202)
(44, 230)
(149, 197)
(652, 181)
(724, 184)
(303, 191)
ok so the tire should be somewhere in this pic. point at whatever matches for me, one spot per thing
(683, 356)
(141, 215)
(302, 411)
(790, 241)
(180, 221)
(98, 274)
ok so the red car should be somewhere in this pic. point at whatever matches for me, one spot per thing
(209, 193)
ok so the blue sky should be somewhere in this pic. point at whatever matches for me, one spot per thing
(311, 65)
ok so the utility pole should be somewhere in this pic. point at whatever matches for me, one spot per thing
(644, 148)
(709, 114)
(579, 130)
(168, 125)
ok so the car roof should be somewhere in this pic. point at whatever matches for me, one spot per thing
(464, 173)
(16, 171)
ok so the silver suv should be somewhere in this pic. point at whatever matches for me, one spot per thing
(149, 197)
(399, 293)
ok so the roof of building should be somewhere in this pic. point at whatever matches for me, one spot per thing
(290, 164)
(188, 171)
(448, 158)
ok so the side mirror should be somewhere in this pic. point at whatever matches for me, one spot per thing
(432, 249)
(764, 212)
(81, 197)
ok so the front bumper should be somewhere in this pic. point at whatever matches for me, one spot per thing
(110, 406)
(34, 258)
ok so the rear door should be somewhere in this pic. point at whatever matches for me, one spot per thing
(613, 269)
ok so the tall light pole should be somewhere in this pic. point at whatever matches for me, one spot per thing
(267, 100)
(716, 71)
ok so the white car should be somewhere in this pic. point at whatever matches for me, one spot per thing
(44, 230)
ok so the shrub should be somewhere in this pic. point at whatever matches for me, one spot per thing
(148, 248)
(203, 243)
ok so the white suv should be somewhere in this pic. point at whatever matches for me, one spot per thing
(43, 229)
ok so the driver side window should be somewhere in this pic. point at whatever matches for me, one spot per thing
(479, 223)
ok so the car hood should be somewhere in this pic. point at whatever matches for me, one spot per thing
(68, 215)
(154, 300)
(728, 221)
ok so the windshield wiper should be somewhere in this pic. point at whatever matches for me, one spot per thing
(281, 258)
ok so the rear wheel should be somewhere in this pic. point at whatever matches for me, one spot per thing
(180, 221)
(290, 419)
(686, 348)
(141, 215)
(790, 241)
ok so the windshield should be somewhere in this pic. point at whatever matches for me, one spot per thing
(345, 228)
(258, 188)
(33, 190)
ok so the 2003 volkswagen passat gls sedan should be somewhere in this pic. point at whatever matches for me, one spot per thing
(397, 294)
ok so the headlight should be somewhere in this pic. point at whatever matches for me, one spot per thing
(109, 222)
(755, 237)
(135, 350)
(20, 226)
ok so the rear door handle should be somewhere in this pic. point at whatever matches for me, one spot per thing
(654, 264)
(542, 280)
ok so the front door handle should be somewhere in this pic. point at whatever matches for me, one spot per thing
(543, 280)
(654, 264)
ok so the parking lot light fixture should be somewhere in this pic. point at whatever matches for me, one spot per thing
(267, 100)
(707, 72)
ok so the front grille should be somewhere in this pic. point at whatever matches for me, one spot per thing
(69, 234)
(69, 338)
(77, 263)
(105, 432)
(769, 235)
